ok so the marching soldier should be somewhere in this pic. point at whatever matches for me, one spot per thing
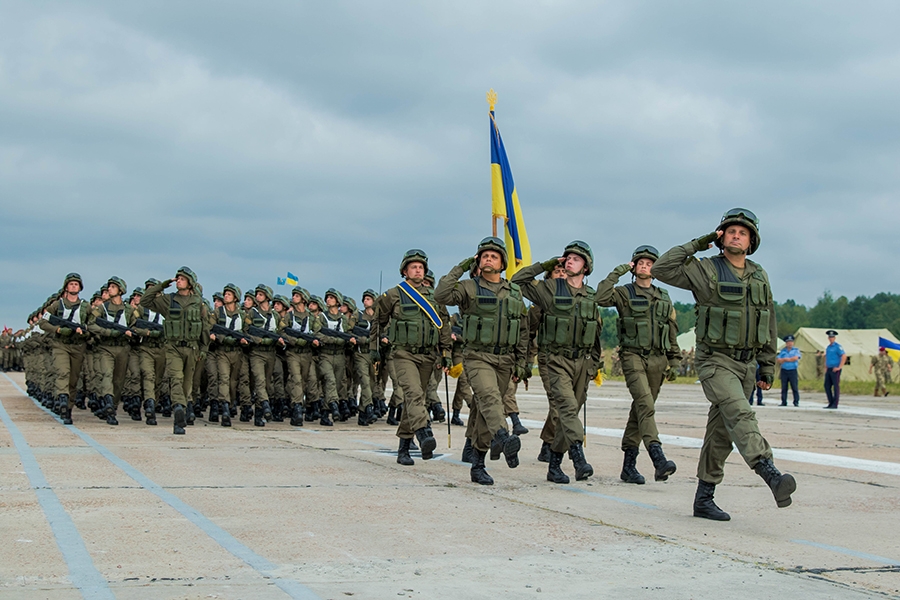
(151, 358)
(416, 332)
(495, 332)
(113, 345)
(228, 350)
(186, 329)
(332, 359)
(363, 370)
(648, 349)
(297, 326)
(569, 336)
(882, 364)
(262, 353)
(735, 332)
(68, 344)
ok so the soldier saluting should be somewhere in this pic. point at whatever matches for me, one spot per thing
(495, 333)
(735, 331)
(569, 339)
(648, 350)
(418, 334)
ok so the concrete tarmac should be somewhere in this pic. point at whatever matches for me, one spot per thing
(134, 512)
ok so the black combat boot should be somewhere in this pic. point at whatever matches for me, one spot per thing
(361, 419)
(214, 411)
(403, 456)
(629, 472)
(150, 411)
(583, 469)
(232, 410)
(285, 409)
(79, 400)
(179, 422)
(554, 472)
(782, 486)
(382, 408)
(166, 405)
(111, 418)
(109, 407)
(399, 412)
(508, 445)
(518, 428)
(704, 507)
(93, 404)
(392, 416)
(259, 419)
(277, 410)
(266, 410)
(326, 419)
(478, 473)
(663, 466)
(66, 414)
(62, 401)
(438, 411)
(426, 442)
(468, 453)
(544, 454)
(246, 413)
(189, 414)
(56, 406)
(352, 406)
(196, 410)
(343, 410)
(456, 420)
(371, 417)
(335, 411)
(135, 412)
(225, 410)
(297, 415)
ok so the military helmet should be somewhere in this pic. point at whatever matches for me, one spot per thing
(495, 244)
(218, 296)
(138, 291)
(429, 276)
(351, 304)
(265, 290)
(283, 300)
(96, 296)
(250, 294)
(304, 293)
(740, 216)
(318, 301)
(411, 256)
(584, 251)
(370, 293)
(645, 251)
(191, 276)
(73, 277)
(230, 287)
(337, 295)
(120, 283)
(151, 281)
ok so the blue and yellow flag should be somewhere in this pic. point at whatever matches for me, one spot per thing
(281, 280)
(892, 348)
(291, 279)
(505, 201)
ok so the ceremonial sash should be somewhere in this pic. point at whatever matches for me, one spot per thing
(422, 303)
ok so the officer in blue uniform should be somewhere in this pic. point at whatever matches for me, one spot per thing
(835, 357)
(789, 359)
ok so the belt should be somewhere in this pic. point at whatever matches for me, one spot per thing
(225, 348)
(418, 350)
(332, 351)
(498, 350)
(184, 344)
(643, 351)
(571, 353)
(744, 355)
(108, 342)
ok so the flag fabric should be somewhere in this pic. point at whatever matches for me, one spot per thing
(893, 348)
(505, 205)
(281, 280)
(291, 279)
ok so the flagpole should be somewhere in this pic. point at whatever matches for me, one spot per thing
(492, 100)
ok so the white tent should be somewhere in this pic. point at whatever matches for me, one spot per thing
(859, 344)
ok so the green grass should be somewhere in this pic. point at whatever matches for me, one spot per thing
(855, 388)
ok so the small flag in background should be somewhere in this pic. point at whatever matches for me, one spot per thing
(281, 280)
(893, 348)
(292, 279)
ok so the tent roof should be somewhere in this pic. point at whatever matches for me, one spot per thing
(854, 341)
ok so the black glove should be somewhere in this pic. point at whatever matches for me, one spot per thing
(467, 263)
(767, 378)
(446, 362)
(621, 270)
(703, 242)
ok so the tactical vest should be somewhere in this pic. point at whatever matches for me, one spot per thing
(183, 324)
(118, 317)
(571, 322)
(265, 321)
(412, 328)
(70, 314)
(644, 324)
(738, 318)
(492, 323)
(227, 321)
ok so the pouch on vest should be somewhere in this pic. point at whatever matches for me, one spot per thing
(732, 327)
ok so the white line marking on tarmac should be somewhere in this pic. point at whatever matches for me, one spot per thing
(849, 552)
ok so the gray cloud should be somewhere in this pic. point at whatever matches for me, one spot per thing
(326, 139)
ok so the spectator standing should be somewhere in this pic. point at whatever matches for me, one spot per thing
(789, 359)
(835, 357)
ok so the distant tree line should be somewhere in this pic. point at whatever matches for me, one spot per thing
(880, 311)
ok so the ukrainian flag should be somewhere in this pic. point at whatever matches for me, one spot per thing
(291, 279)
(893, 348)
(505, 204)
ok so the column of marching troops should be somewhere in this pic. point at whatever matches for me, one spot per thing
(263, 357)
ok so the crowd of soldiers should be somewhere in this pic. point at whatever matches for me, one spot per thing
(264, 357)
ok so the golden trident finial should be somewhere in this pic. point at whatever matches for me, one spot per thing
(492, 98)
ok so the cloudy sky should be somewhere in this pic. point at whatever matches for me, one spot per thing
(326, 138)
